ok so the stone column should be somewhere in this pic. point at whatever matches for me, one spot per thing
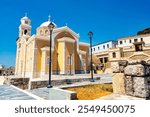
(34, 59)
(118, 77)
(137, 79)
(44, 62)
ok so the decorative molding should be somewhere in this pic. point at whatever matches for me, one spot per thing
(46, 49)
(84, 44)
(43, 38)
(66, 39)
(66, 28)
(81, 52)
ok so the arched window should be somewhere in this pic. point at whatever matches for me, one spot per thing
(114, 54)
(46, 32)
(25, 31)
(40, 32)
(19, 46)
(26, 22)
(103, 46)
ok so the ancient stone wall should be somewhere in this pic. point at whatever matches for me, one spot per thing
(25, 83)
(44, 83)
(22, 83)
(136, 79)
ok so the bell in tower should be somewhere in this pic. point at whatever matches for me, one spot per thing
(25, 27)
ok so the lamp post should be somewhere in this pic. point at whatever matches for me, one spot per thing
(51, 27)
(91, 65)
(70, 64)
(57, 63)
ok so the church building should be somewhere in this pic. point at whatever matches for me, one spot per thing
(69, 56)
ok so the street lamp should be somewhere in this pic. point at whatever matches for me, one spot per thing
(70, 63)
(51, 27)
(91, 65)
(57, 63)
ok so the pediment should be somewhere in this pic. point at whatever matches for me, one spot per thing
(66, 29)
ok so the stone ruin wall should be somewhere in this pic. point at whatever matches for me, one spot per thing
(131, 78)
(22, 83)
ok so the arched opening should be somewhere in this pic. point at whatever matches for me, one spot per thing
(41, 32)
(46, 32)
(64, 34)
(25, 31)
(19, 45)
(114, 54)
(61, 35)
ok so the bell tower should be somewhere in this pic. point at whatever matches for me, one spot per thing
(24, 35)
(25, 27)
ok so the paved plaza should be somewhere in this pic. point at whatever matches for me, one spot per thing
(43, 92)
(8, 92)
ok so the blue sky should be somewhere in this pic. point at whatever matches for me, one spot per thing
(108, 19)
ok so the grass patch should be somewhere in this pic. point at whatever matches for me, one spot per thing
(91, 92)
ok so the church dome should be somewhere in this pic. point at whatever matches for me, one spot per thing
(25, 17)
(46, 24)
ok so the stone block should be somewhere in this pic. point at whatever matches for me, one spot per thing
(123, 63)
(61, 94)
(129, 85)
(39, 83)
(147, 70)
(18, 82)
(140, 86)
(148, 79)
(135, 70)
(135, 62)
(121, 69)
(115, 67)
(118, 83)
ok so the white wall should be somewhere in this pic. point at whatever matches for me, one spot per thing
(126, 41)
(100, 47)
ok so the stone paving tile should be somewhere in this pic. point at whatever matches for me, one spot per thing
(41, 92)
(22, 98)
(10, 93)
